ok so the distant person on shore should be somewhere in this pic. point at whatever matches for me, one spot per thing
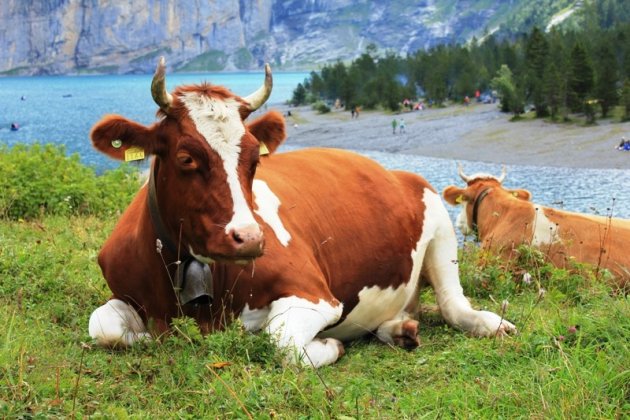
(624, 144)
(394, 124)
(401, 126)
(466, 100)
(354, 111)
(15, 126)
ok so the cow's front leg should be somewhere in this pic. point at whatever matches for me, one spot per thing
(116, 323)
(442, 272)
(294, 322)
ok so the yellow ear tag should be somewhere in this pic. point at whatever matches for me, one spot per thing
(134, 153)
(515, 194)
(459, 199)
(263, 149)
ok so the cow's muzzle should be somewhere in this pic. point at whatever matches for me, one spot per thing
(246, 241)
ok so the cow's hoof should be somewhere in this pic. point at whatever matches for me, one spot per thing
(409, 338)
(341, 350)
(490, 325)
(505, 328)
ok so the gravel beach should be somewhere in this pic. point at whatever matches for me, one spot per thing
(478, 132)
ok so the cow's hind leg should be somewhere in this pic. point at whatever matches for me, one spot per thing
(440, 267)
(294, 322)
(116, 324)
(402, 332)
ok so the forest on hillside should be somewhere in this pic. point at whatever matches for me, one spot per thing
(574, 68)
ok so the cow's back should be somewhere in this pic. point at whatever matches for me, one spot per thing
(346, 215)
(597, 240)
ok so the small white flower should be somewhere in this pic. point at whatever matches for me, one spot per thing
(527, 278)
(158, 246)
(504, 305)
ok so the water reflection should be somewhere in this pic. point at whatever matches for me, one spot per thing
(594, 191)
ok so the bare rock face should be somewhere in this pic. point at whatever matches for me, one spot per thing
(126, 36)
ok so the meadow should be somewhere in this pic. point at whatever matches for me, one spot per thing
(570, 359)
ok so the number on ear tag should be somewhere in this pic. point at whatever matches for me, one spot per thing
(459, 199)
(134, 153)
(263, 149)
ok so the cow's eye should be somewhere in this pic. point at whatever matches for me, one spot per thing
(185, 160)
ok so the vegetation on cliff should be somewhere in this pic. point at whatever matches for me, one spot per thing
(556, 72)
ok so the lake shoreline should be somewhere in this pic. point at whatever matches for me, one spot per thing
(479, 132)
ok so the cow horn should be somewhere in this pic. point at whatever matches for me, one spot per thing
(258, 98)
(158, 87)
(503, 174)
(460, 171)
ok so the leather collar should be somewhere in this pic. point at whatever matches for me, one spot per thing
(475, 213)
(193, 279)
(154, 210)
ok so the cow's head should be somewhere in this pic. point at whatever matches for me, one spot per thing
(205, 161)
(478, 186)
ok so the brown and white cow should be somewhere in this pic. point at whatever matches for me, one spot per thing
(347, 244)
(504, 218)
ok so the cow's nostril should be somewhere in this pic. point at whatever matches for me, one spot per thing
(237, 237)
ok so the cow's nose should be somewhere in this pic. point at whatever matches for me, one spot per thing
(247, 240)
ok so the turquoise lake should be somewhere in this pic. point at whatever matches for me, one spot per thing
(62, 110)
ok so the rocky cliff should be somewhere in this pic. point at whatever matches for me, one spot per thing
(126, 36)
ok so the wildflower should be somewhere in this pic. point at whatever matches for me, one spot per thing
(541, 293)
(504, 305)
(158, 246)
(572, 329)
(527, 278)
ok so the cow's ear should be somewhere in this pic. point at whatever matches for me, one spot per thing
(454, 195)
(114, 135)
(521, 194)
(269, 130)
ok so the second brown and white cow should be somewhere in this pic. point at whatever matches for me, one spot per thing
(505, 218)
(315, 246)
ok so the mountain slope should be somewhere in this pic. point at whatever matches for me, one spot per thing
(104, 36)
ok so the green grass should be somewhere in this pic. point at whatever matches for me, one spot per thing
(50, 283)
(213, 60)
(151, 56)
(570, 359)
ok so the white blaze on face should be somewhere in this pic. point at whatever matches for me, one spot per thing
(267, 204)
(219, 122)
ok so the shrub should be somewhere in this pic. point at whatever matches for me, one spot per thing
(41, 179)
(321, 107)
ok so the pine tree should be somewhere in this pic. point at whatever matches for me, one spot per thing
(536, 52)
(625, 100)
(581, 78)
(607, 78)
(553, 89)
(299, 95)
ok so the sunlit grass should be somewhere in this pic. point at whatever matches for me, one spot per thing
(569, 360)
